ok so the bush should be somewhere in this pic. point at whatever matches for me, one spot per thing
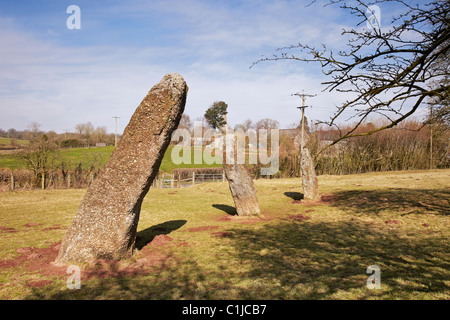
(71, 143)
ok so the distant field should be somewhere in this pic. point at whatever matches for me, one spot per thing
(167, 164)
(191, 246)
(86, 156)
(7, 141)
(72, 157)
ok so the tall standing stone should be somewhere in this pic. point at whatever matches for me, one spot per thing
(106, 222)
(309, 178)
(241, 185)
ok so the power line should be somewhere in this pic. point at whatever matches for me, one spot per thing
(303, 96)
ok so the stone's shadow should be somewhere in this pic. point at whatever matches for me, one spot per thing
(226, 208)
(294, 195)
(144, 237)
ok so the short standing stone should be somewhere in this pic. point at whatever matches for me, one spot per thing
(309, 178)
(242, 187)
(106, 222)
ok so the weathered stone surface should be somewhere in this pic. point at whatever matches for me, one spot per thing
(105, 224)
(309, 178)
(241, 186)
(242, 189)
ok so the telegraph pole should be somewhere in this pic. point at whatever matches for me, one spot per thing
(431, 136)
(303, 95)
(115, 137)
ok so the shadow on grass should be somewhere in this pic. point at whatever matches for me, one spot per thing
(329, 260)
(294, 195)
(166, 282)
(401, 200)
(289, 260)
(226, 208)
(144, 237)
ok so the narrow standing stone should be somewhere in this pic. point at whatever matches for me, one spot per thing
(241, 186)
(309, 178)
(106, 222)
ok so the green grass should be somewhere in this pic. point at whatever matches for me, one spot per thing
(7, 141)
(87, 156)
(72, 157)
(324, 257)
(167, 164)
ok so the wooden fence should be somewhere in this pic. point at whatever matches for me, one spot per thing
(175, 181)
(25, 180)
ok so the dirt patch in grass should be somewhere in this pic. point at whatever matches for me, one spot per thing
(265, 216)
(299, 217)
(25, 250)
(32, 224)
(7, 230)
(38, 284)
(392, 222)
(225, 219)
(223, 234)
(203, 228)
(40, 260)
(52, 228)
(36, 259)
(183, 244)
(243, 220)
(160, 240)
(146, 260)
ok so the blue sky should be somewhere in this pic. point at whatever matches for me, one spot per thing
(60, 77)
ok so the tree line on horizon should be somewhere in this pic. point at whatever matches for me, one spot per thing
(83, 135)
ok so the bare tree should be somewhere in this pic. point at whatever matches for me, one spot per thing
(186, 123)
(39, 157)
(247, 124)
(85, 131)
(100, 134)
(388, 71)
(267, 124)
(34, 128)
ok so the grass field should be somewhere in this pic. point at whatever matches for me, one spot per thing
(191, 247)
(7, 141)
(86, 156)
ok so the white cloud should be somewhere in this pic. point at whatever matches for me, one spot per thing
(212, 46)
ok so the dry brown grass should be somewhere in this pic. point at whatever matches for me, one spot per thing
(396, 220)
